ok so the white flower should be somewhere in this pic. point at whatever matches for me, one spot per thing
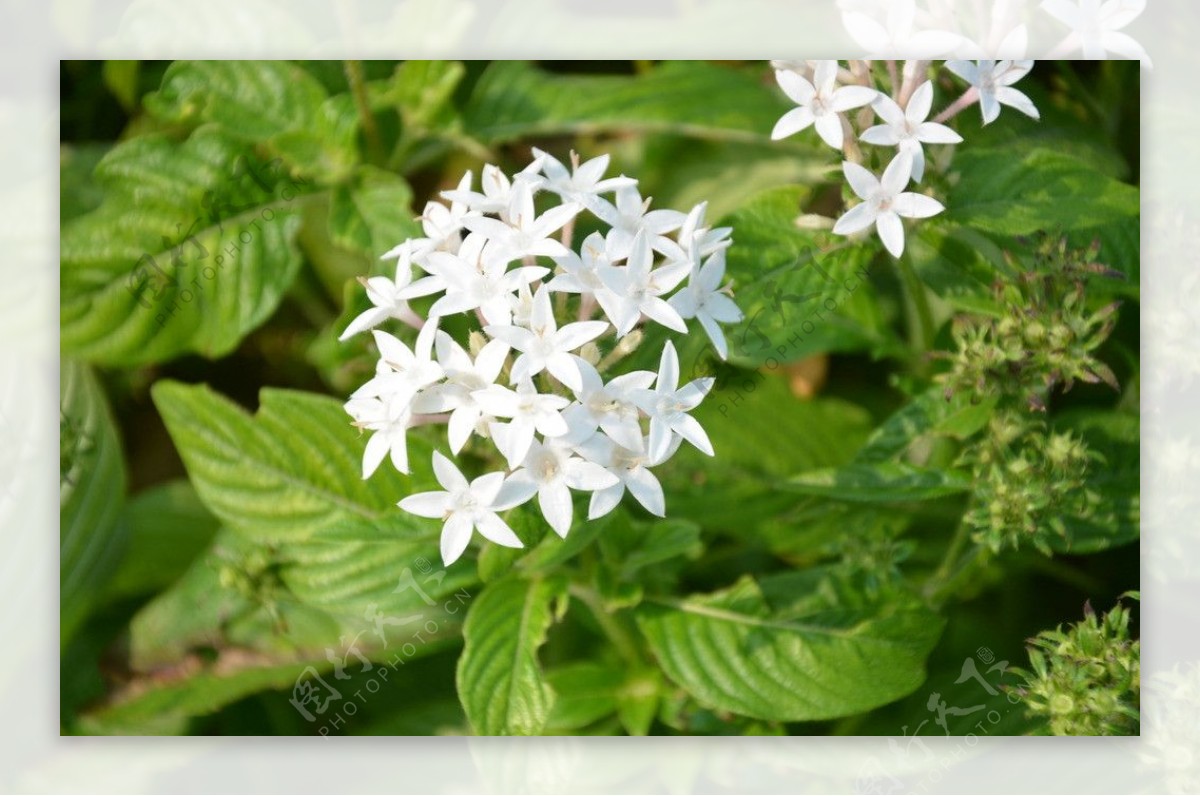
(609, 407)
(897, 36)
(550, 471)
(637, 290)
(402, 371)
(497, 189)
(630, 216)
(1095, 28)
(993, 81)
(884, 202)
(632, 469)
(584, 182)
(907, 128)
(529, 411)
(473, 279)
(464, 507)
(699, 241)
(442, 226)
(581, 272)
(544, 346)
(668, 408)
(464, 378)
(525, 233)
(388, 417)
(386, 294)
(821, 102)
(705, 299)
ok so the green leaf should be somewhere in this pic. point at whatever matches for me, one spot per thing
(373, 214)
(78, 192)
(803, 292)
(168, 529)
(585, 693)
(121, 78)
(292, 470)
(250, 100)
(515, 100)
(1116, 520)
(880, 482)
(91, 493)
(500, 681)
(424, 90)
(815, 659)
(926, 415)
(1040, 190)
(192, 248)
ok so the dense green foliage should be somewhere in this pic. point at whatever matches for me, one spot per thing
(918, 460)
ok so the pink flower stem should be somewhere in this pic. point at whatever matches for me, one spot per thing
(968, 98)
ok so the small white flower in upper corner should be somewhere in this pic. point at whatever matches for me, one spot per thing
(463, 507)
(386, 294)
(668, 406)
(993, 80)
(1096, 28)
(705, 299)
(544, 346)
(388, 417)
(820, 101)
(906, 127)
(884, 202)
(897, 36)
(551, 470)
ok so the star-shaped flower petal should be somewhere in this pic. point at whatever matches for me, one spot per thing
(897, 36)
(524, 233)
(609, 407)
(402, 371)
(632, 469)
(442, 226)
(473, 279)
(884, 202)
(550, 471)
(387, 297)
(638, 289)
(907, 128)
(529, 411)
(464, 377)
(705, 299)
(821, 103)
(464, 508)
(544, 346)
(668, 406)
(632, 215)
(993, 81)
(497, 189)
(388, 417)
(584, 182)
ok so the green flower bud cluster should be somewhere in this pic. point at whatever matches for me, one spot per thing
(1085, 680)
(255, 577)
(1027, 479)
(1044, 336)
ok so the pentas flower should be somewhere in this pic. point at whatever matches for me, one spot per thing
(906, 127)
(528, 391)
(464, 508)
(821, 103)
(993, 81)
(884, 202)
(1095, 28)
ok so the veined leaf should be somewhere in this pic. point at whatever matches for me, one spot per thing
(803, 292)
(929, 413)
(192, 248)
(91, 493)
(500, 682)
(733, 651)
(879, 482)
(1041, 190)
(290, 471)
(373, 214)
(514, 99)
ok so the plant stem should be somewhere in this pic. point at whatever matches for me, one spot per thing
(921, 327)
(358, 88)
(618, 635)
(968, 98)
(946, 568)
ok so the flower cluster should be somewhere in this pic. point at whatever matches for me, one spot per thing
(532, 378)
(825, 94)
